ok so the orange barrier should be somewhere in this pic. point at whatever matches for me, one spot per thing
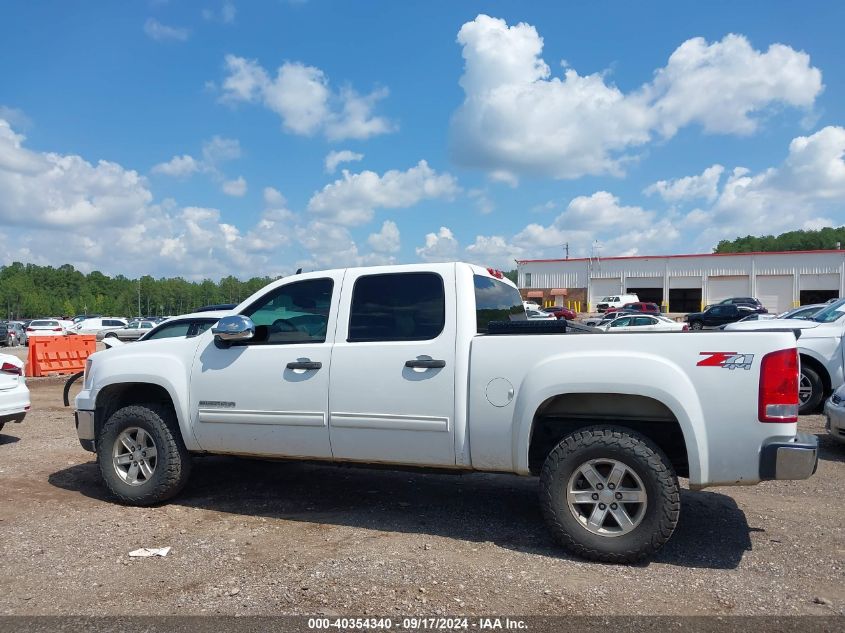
(53, 355)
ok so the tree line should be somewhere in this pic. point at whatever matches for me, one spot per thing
(822, 239)
(30, 291)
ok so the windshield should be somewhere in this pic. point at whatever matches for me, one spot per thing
(833, 312)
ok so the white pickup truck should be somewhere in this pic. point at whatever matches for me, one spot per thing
(820, 348)
(434, 366)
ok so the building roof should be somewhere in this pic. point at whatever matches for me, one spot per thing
(585, 259)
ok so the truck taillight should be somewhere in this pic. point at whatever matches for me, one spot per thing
(779, 387)
(498, 274)
(8, 368)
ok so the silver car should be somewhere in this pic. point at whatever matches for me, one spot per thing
(132, 332)
(834, 411)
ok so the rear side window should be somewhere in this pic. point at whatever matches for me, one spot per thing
(496, 301)
(397, 307)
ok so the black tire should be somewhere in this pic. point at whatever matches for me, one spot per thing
(638, 454)
(811, 376)
(696, 325)
(173, 462)
(110, 335)
(2, 424)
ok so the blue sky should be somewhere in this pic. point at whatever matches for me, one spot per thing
(173, 137)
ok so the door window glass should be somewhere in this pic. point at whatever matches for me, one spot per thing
(642, 321)
(169, 331)
(293, 313)
(397, 307)
(496, 301)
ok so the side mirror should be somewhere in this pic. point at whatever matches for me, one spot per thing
(234, 328)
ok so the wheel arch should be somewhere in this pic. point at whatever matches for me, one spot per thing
(817, 366)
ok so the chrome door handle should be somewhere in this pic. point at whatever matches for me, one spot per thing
(425, 364)
(305, 364)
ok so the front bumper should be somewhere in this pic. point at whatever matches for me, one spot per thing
(85, 429)
(834, 412)
(795, 458)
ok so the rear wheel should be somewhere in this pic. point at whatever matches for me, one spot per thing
(696, 325)
(810, 390)
(609, 494)
(141, 455)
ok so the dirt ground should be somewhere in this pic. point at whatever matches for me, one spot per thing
(259, 537)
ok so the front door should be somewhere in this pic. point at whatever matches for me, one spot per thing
(269, 395)
(392, 395)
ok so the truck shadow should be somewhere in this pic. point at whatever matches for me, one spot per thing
(502, 509)
(8, 439)
(830, 449)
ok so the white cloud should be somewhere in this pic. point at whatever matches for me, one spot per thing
(353, 199)
(439, 247)
(15, 116)
(482, 201)
(161, 32)
(178, 167)
(302, 97)
(386, 240)
(335, 158)
(236, 187)
(220, 149)
(517, 119)
(225, 15)
(49, 189)
(810, 181)
(705, 185)
(602, 211)
(494, 251)
(273, 198)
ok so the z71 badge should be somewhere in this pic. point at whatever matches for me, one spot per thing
(728, 360)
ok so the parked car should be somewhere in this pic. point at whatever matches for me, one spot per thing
(638, 306)
(47, 327)
(395, 365)
(820, 349)
(603, 319)
(560, 312)
(216, 307)
(186, 325)
(14, 395)
(97, 325)
(531, 305)
(803, 312)
(15, 334)
(539, 315)
(645, 323)
(4, 333)
(131, 331)
(834, 413)
(717, 315)
(750, 302)
(615, 301)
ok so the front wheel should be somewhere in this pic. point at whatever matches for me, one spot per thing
(810, 390)
(141, 455)
(609, 494)
(696, 325)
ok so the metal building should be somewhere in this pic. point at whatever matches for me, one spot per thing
(686, 283)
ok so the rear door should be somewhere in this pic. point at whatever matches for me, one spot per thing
(392, 393)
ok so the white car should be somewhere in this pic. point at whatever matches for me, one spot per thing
(644, 323)
(531, 305)
(96, 325)
(435, 365)
(14, 395)
(820, 346)
(537, 315)
(615, 301)
(48, 327)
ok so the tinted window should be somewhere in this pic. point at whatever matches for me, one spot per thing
(171, 330)
(496, 301)
(200, 327)
(397, 307)
(293, 313)
(623, 322)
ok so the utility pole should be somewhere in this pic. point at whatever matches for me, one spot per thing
(566, 249)
(139, 297)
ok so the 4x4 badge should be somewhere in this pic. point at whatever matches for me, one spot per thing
(728, 360)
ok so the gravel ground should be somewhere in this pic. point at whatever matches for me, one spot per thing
(259, 537)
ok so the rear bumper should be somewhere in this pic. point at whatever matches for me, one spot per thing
(14, 403)
(794, 458)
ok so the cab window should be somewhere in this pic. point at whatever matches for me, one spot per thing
(496, 301)
(293, 313)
